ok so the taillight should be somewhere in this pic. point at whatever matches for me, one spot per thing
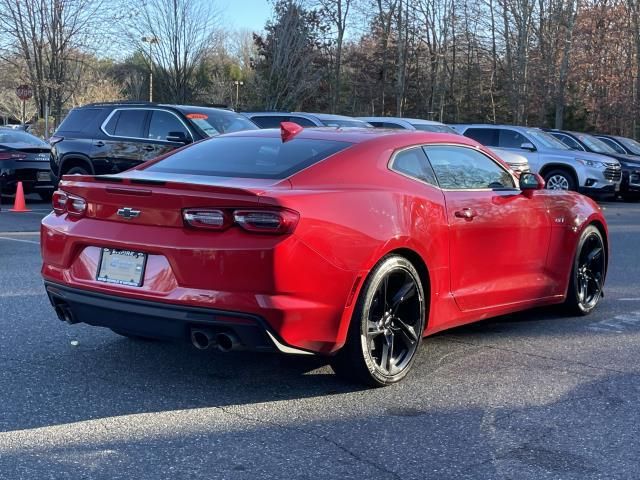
(64, 203)
(204, 218)
(12, 156)
(59, 201)
(259, 221)
(266, 221)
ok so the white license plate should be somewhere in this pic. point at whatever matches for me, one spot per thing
(122, 267)
(44, 177)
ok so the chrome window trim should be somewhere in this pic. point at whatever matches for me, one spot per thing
(142, 138)
(457, 145)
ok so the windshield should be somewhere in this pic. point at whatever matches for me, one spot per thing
(16, 136)
(215, 122)
(332, 122)
(631, 144)
(547, 140)
(595, 144)
(425, 127)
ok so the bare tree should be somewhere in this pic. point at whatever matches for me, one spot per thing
(49, 36)
(182, 31)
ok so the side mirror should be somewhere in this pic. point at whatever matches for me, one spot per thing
(528, 146)
(531, 181)
(178, 137)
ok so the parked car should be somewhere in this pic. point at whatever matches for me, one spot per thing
(274, 119)
(24, 158)
(561, 167)
(339, 242)
(630, 174)
(112, 137)
(630, 164)
(518, 163)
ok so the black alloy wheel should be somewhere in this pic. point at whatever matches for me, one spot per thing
(387, 325)
(588, 273)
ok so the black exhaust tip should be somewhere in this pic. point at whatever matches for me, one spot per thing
(202, 338)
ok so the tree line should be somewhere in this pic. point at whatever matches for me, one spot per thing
(562, 63)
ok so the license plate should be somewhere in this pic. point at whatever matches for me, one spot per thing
(122, 267)
(44, 177)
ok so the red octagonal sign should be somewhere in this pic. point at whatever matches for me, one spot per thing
(24, 92)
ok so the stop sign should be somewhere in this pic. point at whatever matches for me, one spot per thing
(24, 92)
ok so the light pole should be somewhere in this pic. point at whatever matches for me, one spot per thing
(150, 40)
(237, 83)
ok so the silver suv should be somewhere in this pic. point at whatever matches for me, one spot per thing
(516, 161)
(561, 167)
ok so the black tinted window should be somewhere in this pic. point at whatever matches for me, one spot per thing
(303, 122)
(79, 120)
(613, 145)
(511, 139)
(248, 157)
(164, 123)
(485, 136)
(461, 168)
(393, 125)
(568, 141)
(126, 123)
(270, 121)
(413, 162)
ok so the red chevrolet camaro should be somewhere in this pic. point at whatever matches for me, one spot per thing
(349, 243)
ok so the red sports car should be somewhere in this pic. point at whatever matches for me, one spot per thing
(348, 243)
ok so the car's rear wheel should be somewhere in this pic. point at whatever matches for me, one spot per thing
(387, 325)
(588, 273)
(559, 180)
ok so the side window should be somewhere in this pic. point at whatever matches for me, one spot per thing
(163, 123)
(127, 123)
(462, 168)
(413, 162)
(485, 136)
(393, 125)
(613, 144)
(568, 141)
(303, 122)
(511, 139)
(269, 121)
(377, 124)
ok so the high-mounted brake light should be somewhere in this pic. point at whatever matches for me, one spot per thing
(206, 218)
(62, 202)
(288, 130)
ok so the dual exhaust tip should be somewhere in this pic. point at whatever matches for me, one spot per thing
(204, 338)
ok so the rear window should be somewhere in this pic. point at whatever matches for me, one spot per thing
(215, 122)
(485, 136)
(248, 157)
(426, 127)
(16, 136)
(79, 120)
(339, 123)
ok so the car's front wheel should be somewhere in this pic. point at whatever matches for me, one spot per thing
(588, 273)
(387, 325)
(559, 180)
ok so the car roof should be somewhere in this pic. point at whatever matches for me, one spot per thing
(361, 135)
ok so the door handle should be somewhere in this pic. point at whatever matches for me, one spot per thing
(148, 148)
(99, 143)
(466, 213)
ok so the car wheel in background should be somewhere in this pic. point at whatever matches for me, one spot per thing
(588, 273)
(559, 180)
(386, 327)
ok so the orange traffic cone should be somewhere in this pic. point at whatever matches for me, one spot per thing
(19, 205)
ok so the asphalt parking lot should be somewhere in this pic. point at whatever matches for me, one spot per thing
(529, 396)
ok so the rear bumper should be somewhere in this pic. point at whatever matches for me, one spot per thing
(29, 173)
(163, 321)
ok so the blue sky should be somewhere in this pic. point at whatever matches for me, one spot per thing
(249, 14)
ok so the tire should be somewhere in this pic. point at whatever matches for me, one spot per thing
(559, 180)
(77, 171)
(587, 274)
(399, 321)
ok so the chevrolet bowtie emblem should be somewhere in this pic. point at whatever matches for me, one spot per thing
(128, 213)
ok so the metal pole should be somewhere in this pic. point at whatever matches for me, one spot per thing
(24, 114)
(150, 72)
(46, 121)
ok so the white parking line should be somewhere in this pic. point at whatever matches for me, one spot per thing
(618, 324)
(20, 240)
(629, 299)
(18, 234)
